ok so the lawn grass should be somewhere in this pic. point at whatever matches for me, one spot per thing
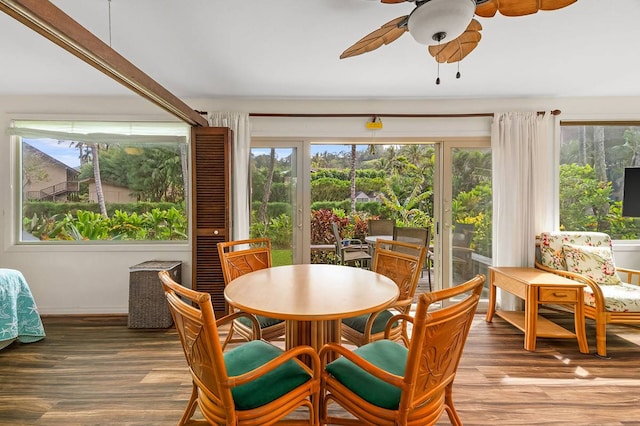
(281, 257)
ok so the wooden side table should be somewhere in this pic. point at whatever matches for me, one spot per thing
(537, 287)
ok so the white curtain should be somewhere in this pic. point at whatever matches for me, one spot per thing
(523, 189)
(239, 123)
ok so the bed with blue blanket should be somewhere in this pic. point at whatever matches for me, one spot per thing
(19, 317)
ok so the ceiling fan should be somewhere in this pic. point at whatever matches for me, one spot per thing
(447, 26)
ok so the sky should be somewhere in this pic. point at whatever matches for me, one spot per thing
(59, 150)
(315, 149)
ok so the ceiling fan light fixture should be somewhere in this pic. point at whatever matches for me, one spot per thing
(440, 21)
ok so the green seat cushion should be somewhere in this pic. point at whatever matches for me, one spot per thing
(266, 388)
(358, 323)
(385, 354)
(263, 321)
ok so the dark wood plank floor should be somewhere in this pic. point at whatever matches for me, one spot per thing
(96, 371)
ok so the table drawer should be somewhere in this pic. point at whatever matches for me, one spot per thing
(558, 295)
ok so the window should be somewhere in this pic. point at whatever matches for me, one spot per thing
(593, 157)
(102, 181)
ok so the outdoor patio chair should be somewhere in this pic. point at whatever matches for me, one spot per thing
(350, 251)
(612, 294)
(380, 227)
(461, 250)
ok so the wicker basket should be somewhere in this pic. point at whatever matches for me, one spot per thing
(147, 304)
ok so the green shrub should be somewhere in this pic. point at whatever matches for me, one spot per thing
(157, 225)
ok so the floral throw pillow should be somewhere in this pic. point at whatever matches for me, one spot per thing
(593, 262)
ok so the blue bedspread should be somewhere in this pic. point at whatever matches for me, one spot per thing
(19, 318)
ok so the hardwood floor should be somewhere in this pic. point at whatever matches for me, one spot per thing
(96, 371)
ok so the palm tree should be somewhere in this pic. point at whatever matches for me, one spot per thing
(262, 214)
(600, 166)
(352, 177)
(599, 161)
(183, 161)
(632, 143)
(391, 156)
(415, 153)
(98, 180)
(583, 145)
(89, 153)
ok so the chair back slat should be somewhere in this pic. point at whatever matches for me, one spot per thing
(238, 258)
(401, 262)
(196, 327)
(244, 256)
(438, 339)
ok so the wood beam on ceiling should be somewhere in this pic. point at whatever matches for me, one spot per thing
(49, 21)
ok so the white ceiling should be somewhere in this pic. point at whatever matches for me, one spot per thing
(290, 49)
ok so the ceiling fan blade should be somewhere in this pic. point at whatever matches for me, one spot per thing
(519, 7)
(386, 34)
(487, 9)
(393, 1)
(457, 49)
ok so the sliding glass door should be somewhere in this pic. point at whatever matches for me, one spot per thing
(300, 188)
(277, 199)
(467, 212)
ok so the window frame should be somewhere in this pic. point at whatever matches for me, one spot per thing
(619, 120)
(155, 132)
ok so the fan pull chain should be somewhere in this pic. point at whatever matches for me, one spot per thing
(459, 60)
(438, 62)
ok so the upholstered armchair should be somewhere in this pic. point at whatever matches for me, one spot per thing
(611, 295)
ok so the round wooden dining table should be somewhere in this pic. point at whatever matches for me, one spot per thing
(312, 298)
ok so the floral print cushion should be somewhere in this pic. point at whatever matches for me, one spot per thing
(617, 298)
(551, 243)
(593, 262)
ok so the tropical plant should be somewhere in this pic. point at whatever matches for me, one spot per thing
(408, 209)
(86, 225)
(586, 203)
(157, 224)
(280, 231)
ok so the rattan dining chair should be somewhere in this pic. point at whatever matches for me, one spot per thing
(385, 383)
(402, 263)
(239, 258)
(255, 383)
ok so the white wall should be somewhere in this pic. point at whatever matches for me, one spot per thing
(74, 279)
(95, 279)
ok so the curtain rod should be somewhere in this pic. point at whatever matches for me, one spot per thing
(480, 114)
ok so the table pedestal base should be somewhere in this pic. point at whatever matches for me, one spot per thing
(312, 333)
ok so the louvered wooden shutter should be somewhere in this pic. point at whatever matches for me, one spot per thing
(211, 183)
